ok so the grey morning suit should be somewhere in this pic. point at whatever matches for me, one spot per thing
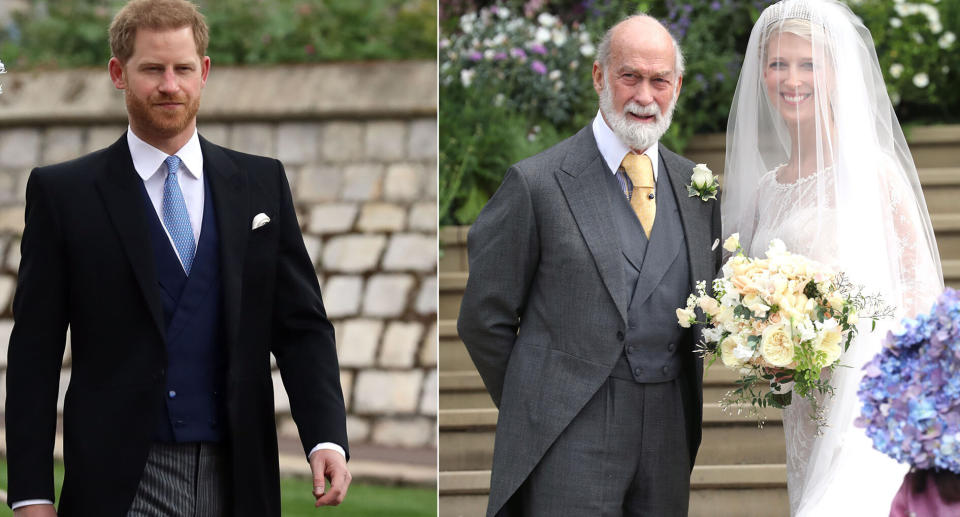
(569, 316)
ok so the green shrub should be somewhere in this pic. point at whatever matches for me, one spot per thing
(70, 33)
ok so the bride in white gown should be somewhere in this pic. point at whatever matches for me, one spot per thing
(816, 158)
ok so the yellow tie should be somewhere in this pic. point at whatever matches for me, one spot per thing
(640, 171)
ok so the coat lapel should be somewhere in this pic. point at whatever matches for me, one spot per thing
(581, 177)
(694, 216)
(122, 193)
(664, 243)
(229, 191)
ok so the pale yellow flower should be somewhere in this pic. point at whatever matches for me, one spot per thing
(709, 305)
(776, 345)
(684, 316)
(829, 343)
(726, 350)
(732, 243)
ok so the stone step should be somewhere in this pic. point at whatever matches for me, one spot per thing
(451, 287)
(941, 189)
(467, 436)
(453, 242)
(951, 273)
(715, 491)
(946, 227)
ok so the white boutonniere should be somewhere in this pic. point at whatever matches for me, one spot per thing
(703, 184)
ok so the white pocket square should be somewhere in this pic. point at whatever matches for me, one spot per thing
(260, 220)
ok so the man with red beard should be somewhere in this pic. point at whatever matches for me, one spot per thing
(577, 265)
(179, 267)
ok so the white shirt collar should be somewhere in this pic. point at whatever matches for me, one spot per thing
(147, 159)
(613, 150)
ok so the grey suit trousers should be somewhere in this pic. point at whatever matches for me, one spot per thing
(183, 480)
(625, 454)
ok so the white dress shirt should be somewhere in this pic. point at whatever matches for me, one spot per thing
(149, 164)
(613, 150)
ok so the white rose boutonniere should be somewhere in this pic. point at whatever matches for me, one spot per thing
(703, 184)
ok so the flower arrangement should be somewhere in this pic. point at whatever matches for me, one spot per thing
(776, 319)
(911, 390)
(538, 67)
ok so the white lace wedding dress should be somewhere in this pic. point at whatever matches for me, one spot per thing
(837, 472)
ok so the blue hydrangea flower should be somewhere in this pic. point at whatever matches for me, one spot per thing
(911, 390)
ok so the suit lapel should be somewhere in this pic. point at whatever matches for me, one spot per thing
(121, 190)
(581, 177)
(229, 191)
(664, 244)
(694, 216)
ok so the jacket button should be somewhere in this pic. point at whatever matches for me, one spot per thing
(629, 349)
(172, 394)
(638, 371)
(670, 347)
(666, 370)
(619, 335)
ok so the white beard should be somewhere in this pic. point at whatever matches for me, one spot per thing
(635, 135)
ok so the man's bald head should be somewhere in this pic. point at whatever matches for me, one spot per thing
(638, 30)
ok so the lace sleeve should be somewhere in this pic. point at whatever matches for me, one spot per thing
(919, 276)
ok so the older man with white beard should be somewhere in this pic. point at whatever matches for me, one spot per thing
(577, 265)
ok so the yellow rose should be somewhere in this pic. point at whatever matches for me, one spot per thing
(726, 351)
(776, 345)
(829, 343)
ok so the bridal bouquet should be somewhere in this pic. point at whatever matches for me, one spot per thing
(911, 390)
(774, 320)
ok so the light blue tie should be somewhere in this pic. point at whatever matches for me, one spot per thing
(175, 216)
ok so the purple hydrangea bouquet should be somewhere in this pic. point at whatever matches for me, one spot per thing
(911, 390)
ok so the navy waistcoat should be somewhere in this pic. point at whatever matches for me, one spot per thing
(196, 361)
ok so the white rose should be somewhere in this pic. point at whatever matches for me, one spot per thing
(732, 242)
(702, 176)
(776, 346)
(896, 70)
(921, 80)
(743, 353)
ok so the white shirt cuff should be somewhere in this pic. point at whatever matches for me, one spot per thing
(28, 502)
(327, 445)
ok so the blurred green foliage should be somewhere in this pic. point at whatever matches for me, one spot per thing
(71, 33)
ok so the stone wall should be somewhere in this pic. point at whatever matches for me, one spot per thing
(359, 145)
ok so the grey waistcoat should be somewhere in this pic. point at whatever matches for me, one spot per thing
(658, 278)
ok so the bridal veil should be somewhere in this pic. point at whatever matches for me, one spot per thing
(817, 158)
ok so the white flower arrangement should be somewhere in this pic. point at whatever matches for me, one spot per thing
(773, 320)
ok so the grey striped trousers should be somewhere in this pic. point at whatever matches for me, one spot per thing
(183, 480)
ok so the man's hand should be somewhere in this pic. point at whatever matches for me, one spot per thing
(36, 510)
(329, 464)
